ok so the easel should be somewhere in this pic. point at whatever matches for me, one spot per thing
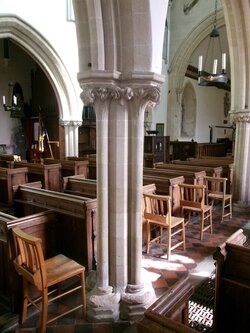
(46, 135)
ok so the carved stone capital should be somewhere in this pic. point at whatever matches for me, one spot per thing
(241, 117)
(145, 95)
(74, 123)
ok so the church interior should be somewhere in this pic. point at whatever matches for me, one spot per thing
(124, 166)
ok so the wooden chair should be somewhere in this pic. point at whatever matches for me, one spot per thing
(43, 274)
(192, 200)
(157, 214)
(216, 190)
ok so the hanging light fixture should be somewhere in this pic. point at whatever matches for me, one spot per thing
(213, 79)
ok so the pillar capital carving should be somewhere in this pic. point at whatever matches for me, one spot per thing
(146, 95)
(241, 117)
(74, 123)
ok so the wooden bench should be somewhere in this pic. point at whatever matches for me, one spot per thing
(49, 175)
(167, 186)
(212, 149)
(232, 290)
(169, 313)
(80, 186)
(77, 185)
(7, 269)
(77, 216)
(210, 171)
(191, 177)
(70, 167)
(227, 167)
(9, 178)
(92, 166)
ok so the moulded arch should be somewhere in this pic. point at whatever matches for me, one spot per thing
(178, 69)
(11, 26)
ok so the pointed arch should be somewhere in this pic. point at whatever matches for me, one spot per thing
(11, 26)
(178, 69)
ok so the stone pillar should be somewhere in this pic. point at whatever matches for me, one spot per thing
(71, 136)
(102, 302)
(120, 139)
(241, 185)
(139, 293)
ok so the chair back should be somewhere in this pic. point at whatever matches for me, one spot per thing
(216, 185)
(157, 208)
(192, 196)
(30, 260)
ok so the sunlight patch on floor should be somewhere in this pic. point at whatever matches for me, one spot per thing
(160, 264)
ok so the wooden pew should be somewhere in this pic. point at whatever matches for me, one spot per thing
(70, 167)
(7, 269)
(227, 167)
(9, 178)
(87, 187)
(232, 289)
(91, 158)
(169, 314)
(210, 171)
(167, 186)
(212, 149)
(191, 177)
(92, 166)
(49, 175)
(7, 160)
(77, 216)
(80, 186)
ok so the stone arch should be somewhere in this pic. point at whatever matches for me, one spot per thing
(25, 36)
(178, 68)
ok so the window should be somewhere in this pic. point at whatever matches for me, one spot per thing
(70, 11)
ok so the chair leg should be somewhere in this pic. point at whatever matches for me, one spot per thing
(202, 225)
(183, 236)
(44, 312)
(211, 220)
(230, 207)
(169, 242)
(83, 294)
(25, 301)
(223, 210)
(148, 237)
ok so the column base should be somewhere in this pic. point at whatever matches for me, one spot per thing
(135, 300)
(241, 207)
(103, 305)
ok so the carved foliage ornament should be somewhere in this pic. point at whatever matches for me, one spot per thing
(242, 118)
(149, 94)
(74, 123)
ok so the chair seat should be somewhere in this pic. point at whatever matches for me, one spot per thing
(60, 268)
(176, 220)
(219, 196)
(206, 208)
